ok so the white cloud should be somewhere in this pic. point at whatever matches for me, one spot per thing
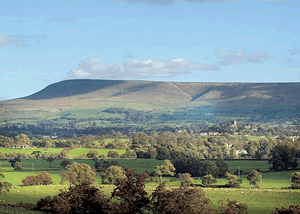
(136, 69)
(294, 51)
(93, 59)
(19, 40)
(234, 57)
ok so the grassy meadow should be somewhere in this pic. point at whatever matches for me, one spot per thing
(259, 201)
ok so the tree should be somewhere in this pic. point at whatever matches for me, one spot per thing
(93, 154)
(254, 178)
(78, 172)
(65, 163)
(293, 209)
(295, 180)
(233, 180)
(195, 166)
(166, 169)
(232, 207)
(208, 180)
(223, 167)
(30, 181)
(44, 178)
(50, 160)
(101, 165)
(18, 166)
(14, 161)
(283, 157)
(179, 200)
(4, 186)
(185, 179)
(113, 154)
(40, 179)
(23, 138)
(112, 174)
(80, 198)
(131, 193)
(37, 154)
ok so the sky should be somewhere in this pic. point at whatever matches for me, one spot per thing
(43, 42)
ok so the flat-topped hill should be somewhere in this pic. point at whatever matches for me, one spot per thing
(84, 93)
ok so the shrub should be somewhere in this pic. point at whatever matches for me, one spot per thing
(80, 198)
(65, 163)
(180, 200)
(18, 166)
(208, 180)
(44, 178)
(295, 180)
(113, 154)
(185, 179)
(30, 181)
(93, 154)
(40, 179)
(293, 209)
(233, 180)
(254, 178)
(232, 207)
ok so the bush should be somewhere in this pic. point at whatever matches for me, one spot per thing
(44, 179)
(113, 154)
(81, 198)
(295, 180)
(93, 154)
(40, 179)
(185, 179)
(30, 181)
(233, 180)
(208, 180)
(293, 209)
(65, 163)
(232, 207)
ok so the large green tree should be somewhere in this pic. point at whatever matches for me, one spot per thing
(112, 174)
(283, 157)
(78, 172)
(166, 169)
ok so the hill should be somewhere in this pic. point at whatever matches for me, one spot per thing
(227, 99)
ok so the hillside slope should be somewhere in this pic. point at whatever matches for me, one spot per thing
(223, 97)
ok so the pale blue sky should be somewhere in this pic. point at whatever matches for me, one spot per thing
(42, 42)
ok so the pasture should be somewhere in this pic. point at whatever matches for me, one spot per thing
(259, 201)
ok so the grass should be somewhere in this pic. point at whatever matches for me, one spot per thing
(258, 201)
(83, 151)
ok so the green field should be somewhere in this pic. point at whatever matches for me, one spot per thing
(258, 201)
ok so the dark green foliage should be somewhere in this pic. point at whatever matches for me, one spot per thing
(223, 167)
(283, 157)
(93, 154)
(295, 180)
(102, 165)
(113, 154)
(14, 161)
(233, 180)
(208, 180)
(65, 163)
(195, 166)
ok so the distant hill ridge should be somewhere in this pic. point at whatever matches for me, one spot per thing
(85, 93)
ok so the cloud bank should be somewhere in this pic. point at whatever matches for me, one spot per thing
(19, 40)
(136, 69)
(235, 57)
